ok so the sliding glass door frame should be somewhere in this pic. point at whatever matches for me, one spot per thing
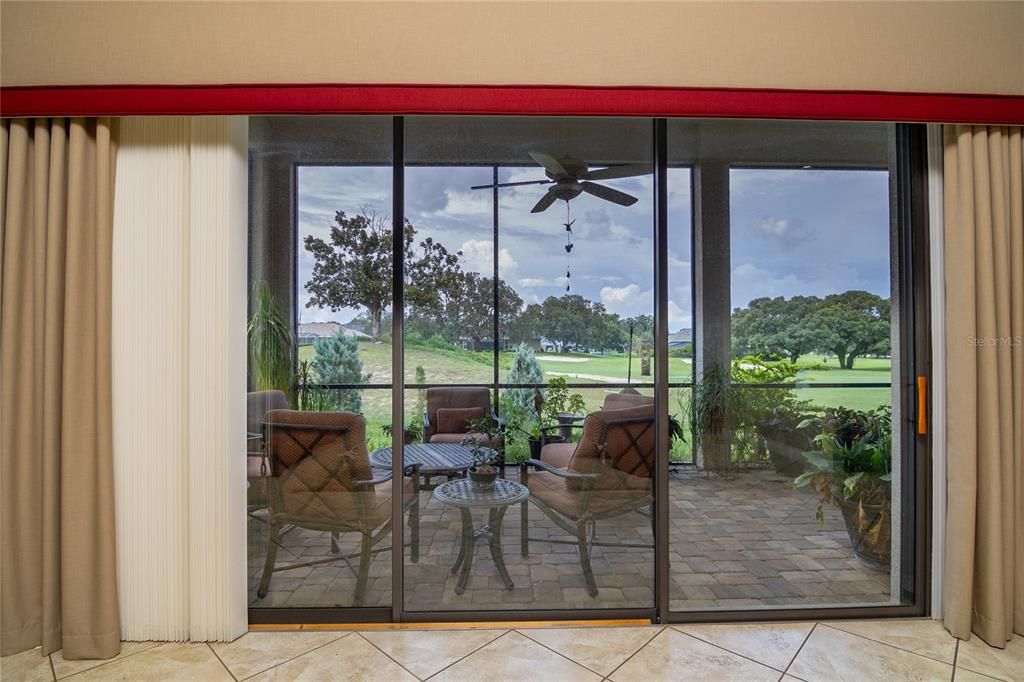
(910, 259)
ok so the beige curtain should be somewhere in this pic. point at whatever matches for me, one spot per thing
(57, 543)
(984, 246)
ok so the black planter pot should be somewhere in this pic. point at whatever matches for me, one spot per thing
(786, 447)
(483, 480)
(536, 444)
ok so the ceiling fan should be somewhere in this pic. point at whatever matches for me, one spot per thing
(570, 177)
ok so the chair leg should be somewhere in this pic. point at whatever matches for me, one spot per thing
(274, 539)
(364, 570)
(335, 549)
(583, 544)
(524, 529)
(414, 523)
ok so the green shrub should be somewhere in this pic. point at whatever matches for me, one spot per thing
(337, 361)
(525, 369)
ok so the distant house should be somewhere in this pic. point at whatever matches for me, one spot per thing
(308, 333)
(681, 337)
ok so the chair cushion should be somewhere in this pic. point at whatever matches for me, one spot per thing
(456, 419)
(558, 455)
(557, 493)
(628, 451)
(457, 438)
(363, 511)
(261, 402)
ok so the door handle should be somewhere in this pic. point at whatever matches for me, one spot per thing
(922, 405)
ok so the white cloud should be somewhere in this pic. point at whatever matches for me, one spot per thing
(533, 282)
(477, 256)
(774, 227)
(628, 300)
(677, 317)
(783, 230)
(616, 295)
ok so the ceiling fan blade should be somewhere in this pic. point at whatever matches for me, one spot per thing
(608, 194)
(545, 201)
(613, 172)
(551, 164)
(513, 184)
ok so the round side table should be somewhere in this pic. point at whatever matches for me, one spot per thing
(466, 497)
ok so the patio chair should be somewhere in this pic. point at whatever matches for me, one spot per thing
(559, 454)
(257, 405)
(449, 410)
(322, 480)
(609, 474)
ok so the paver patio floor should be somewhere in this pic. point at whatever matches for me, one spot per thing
(751, 541)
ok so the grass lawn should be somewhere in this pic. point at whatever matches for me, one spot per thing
(466, 367)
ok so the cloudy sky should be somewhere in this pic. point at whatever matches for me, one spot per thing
(793, 232)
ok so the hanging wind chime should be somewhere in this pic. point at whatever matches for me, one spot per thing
(568, 245)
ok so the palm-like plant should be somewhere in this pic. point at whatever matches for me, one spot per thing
(270, 342)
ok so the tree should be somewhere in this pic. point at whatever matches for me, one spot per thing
(526, 326)
(434, 283)
(525, 369)
(337, 361)
(572, 321)
(472, 313)
(352, 268)
(851, 325)
(774, 327)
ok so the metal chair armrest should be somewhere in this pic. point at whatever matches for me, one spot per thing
(557, 427)
(561, 472)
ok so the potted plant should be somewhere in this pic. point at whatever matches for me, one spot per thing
(852, 470)
(412, 433)
(482, 432)
(711, 412)
(765, 421)
(548, 407)
(309, 396)
(270, 342)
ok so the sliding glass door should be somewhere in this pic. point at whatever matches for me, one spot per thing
(655, 369)
(530, 258)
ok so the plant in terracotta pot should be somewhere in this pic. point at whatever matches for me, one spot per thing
(852, 470)
(484, 431)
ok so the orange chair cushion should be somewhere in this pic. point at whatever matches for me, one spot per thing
(456, 419)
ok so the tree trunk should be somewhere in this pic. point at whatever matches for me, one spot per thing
(374, 322)
(841, 357)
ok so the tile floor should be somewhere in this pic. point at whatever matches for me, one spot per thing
(747, 542)
(858, 651)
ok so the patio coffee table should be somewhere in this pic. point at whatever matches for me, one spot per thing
(435, 459)
(464, 495)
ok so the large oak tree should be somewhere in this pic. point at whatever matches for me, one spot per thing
(352, 268)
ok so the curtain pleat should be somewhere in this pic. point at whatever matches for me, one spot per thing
(984, 246)
(58, 564)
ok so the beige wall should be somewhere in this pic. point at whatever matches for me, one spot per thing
(913, 46)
